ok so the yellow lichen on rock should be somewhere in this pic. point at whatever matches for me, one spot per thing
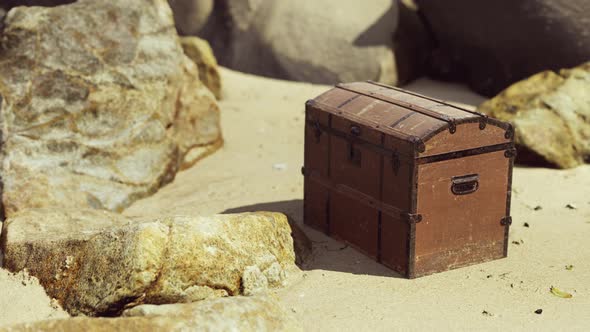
(105, 262)
(200, 52)
(551, 114)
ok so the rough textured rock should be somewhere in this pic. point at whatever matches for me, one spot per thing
(191, 15)
(323, 41)
(551, 114)
(97, 262)
(226, 314)
(200, 52)
(256, 313)
(100, 105)
(496, 43)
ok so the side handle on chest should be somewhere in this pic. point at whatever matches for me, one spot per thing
(465, 184)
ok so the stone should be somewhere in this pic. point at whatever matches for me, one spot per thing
(492, 44)
(100, 106)
(238, 313)
(226, 314)
(99, 263)
(412, 43)
(325, 41)
(551, 114)
(191, 16)
(200, 52)
(253, 281)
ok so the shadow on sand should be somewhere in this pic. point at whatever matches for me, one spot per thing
(314, 249)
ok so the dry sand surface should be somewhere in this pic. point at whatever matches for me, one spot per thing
(340, 289)
(22, 299)
(259, 168)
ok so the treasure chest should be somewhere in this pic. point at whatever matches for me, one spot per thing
(420, 185)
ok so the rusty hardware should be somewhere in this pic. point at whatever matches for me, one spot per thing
(465, 184)
(418, 144)
(510, 153)
(413, 218)
(452, 127)
(355, 130)
(509, 134)
(506, 221)
(483, 122)
(445, 172)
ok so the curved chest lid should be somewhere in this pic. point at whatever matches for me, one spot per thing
(441, 126)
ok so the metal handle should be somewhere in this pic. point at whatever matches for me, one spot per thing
(465, 184)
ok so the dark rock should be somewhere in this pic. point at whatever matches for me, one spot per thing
(493, 44)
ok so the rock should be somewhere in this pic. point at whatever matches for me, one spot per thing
(324, 41)
(99, 105)
(98, 263)
(551, 114)
(253, 281)
(493, 44)
(200, 52)
(227, 314)
(256, 313)
(190, 16)
(412, 43)
(46, 3)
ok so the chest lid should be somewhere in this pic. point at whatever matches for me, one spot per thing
(439, 127)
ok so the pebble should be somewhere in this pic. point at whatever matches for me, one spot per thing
(280, 166)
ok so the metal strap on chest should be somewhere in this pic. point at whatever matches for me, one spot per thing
(419, 109)
(363, 198)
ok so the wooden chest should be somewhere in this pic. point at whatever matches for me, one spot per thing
(415, 183)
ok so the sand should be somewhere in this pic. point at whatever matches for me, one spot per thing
(340, 289)
(22, 299)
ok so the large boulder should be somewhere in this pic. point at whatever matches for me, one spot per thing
(496, 43)
(98, 263)
(551, 114)
(100, 105)
(324, 41)
(227, 314)
(200, 52)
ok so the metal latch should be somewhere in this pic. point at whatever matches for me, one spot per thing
(506, 221)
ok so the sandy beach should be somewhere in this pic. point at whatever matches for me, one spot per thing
(340, 289)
